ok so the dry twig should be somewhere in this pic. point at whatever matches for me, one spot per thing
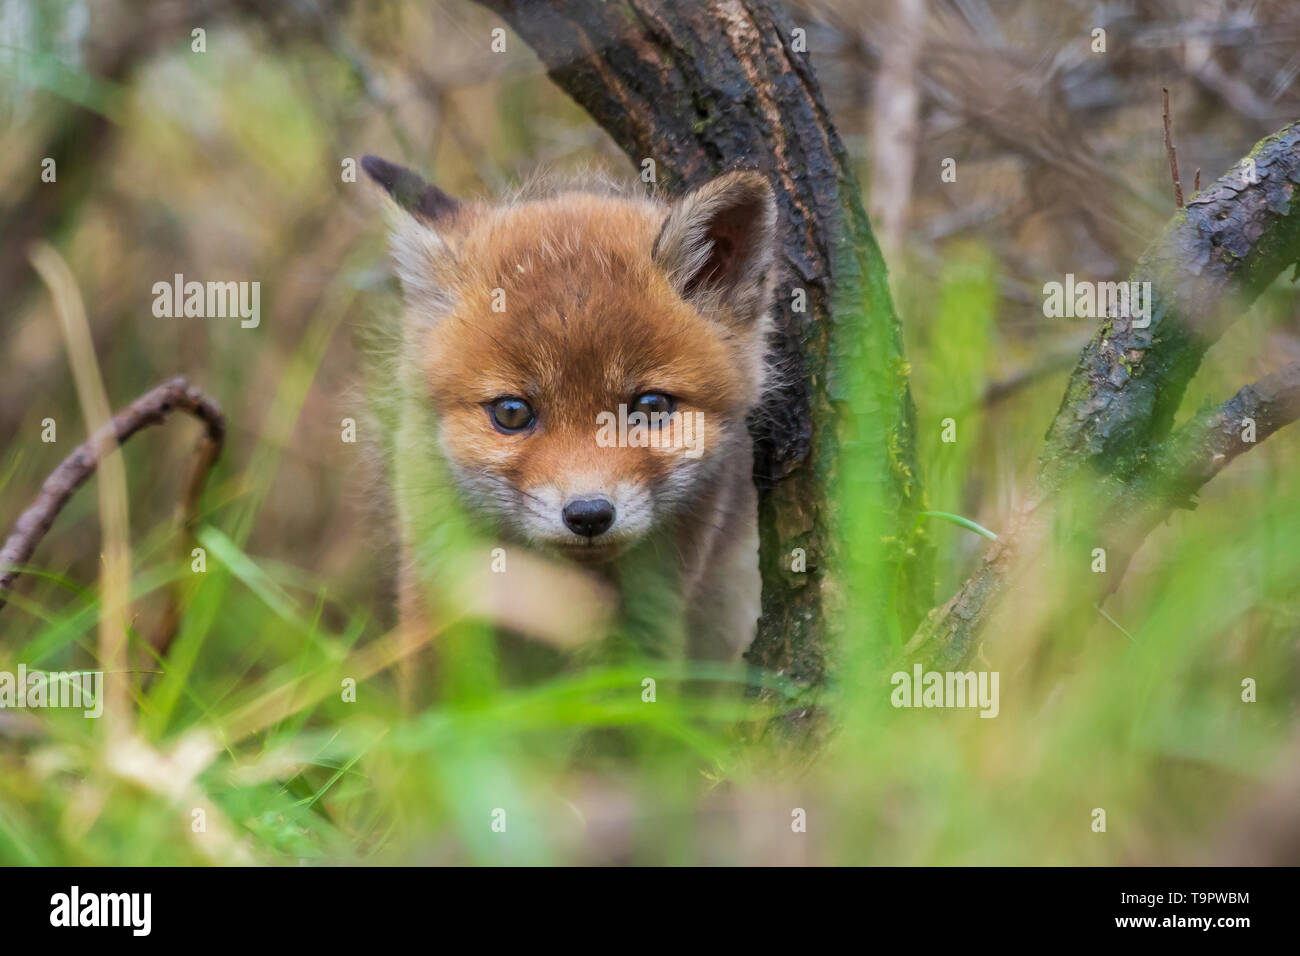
(1171, 150)
(151, 408)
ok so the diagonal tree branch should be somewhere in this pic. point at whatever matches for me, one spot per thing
(1206, 445)
(1214, 258)
(698, 87)
(1127, 511)
(1191, 457)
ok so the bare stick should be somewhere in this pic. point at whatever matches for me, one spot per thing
(1173, 153)
(150, 408)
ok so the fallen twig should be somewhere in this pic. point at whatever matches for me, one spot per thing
(150, 408)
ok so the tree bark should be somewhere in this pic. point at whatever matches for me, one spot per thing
(701, 87)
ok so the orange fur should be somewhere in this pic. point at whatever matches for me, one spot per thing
(605, 298)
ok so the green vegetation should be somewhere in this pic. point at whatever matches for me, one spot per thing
(227, 166)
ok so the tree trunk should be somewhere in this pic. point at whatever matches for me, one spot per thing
(701, 87)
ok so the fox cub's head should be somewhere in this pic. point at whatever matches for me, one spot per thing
(591, 358)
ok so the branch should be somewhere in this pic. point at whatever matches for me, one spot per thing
(1231, 240)
(152, 408)
(1204, 446)
(1191, 457)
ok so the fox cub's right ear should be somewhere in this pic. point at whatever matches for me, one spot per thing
(419, 219)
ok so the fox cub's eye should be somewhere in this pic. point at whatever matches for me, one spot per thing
(511, 414)
(654, 403)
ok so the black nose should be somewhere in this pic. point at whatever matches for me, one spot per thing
(589, 516)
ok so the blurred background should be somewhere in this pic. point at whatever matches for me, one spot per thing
(228, 165)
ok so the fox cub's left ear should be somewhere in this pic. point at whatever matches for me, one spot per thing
(717, 244)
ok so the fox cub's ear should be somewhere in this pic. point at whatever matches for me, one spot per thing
(420, 219)
(717, 244)
(423, 201)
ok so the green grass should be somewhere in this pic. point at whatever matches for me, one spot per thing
(1152, 729)
(249, 718)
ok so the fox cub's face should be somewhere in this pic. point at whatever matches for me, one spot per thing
(591, 359)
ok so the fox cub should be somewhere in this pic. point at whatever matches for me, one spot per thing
(590, 360)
